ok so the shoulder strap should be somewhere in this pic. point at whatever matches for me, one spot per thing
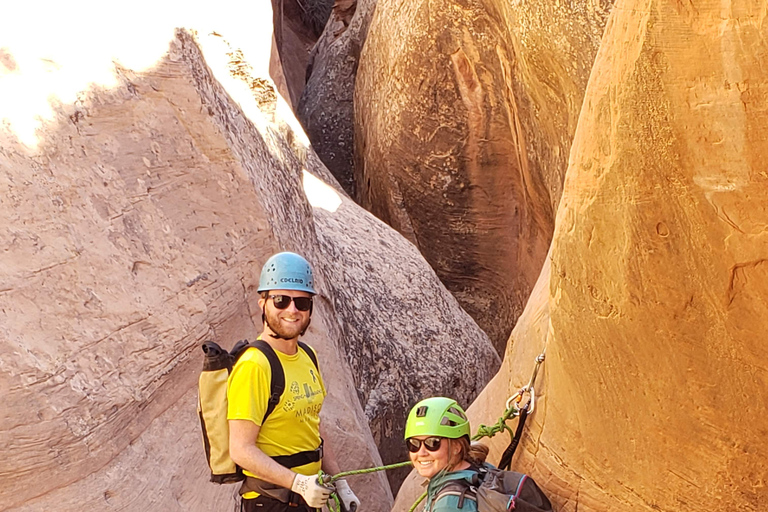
(277, 384)
(460, 488)
(310, 353)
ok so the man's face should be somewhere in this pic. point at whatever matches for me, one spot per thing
(288, 322)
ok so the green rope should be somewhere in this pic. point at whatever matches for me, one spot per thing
(499, 426)
(327, 479)
(418, 500)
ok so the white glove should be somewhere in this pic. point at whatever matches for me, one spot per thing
(313, 493)
(346, 496)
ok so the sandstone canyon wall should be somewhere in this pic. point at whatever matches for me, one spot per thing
(465, 111)
(297, 26)
(326, 107)
(137, 216)
(654, 308)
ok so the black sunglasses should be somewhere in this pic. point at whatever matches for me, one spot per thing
(283, 301)
(432, 444)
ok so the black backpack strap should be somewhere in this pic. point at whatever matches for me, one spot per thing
(301, 458)
(277, 384)
(310, 353)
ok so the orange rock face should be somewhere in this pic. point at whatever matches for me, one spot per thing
(464, 115)
(654, 390)
(659, 290)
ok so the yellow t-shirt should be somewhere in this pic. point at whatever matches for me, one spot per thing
(294, 424)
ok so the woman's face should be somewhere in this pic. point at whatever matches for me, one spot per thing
(428, 463)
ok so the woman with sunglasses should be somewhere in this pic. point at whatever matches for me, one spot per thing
(437, 437)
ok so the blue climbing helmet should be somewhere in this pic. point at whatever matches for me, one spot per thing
(287, 271)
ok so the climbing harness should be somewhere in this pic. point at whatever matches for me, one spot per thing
(328, 480)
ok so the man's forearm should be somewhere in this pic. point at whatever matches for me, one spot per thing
(264, 467)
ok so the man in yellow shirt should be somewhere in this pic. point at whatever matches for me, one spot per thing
(279, 444)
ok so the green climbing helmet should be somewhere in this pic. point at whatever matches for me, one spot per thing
(287, 271)
(437, 416)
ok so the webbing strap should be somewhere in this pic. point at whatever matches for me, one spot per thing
(310, 353)
(301, 458)
(252, 484)
(506, 458)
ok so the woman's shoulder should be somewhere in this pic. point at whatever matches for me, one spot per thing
(449, 491)
(456, 499)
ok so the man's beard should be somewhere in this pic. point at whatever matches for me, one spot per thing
(285, 331)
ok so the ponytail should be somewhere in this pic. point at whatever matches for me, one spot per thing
(473, 452)
(477, 453)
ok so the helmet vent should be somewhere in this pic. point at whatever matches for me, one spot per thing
(447, 422)
(421, 411)
(457, 412)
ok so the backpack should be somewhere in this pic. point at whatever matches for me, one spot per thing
(212, 406)
(495, 490)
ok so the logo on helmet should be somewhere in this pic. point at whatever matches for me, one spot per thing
(291, 280)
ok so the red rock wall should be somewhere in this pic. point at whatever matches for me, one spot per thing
(464, 114)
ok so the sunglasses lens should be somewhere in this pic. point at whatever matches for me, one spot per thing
(281, 301)
(303, 303)
(432, 444)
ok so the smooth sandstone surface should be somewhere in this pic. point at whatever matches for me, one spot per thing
(665, 328)
(653, 311)
(138, 216)
(464, 115)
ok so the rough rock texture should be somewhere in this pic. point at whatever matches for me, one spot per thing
(416, 352)
(464, 114)
(135, 229)
(658, 296)
(296, 32)
(326, 108)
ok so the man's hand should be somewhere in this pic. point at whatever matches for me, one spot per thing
(313, 493)
(346, 496)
